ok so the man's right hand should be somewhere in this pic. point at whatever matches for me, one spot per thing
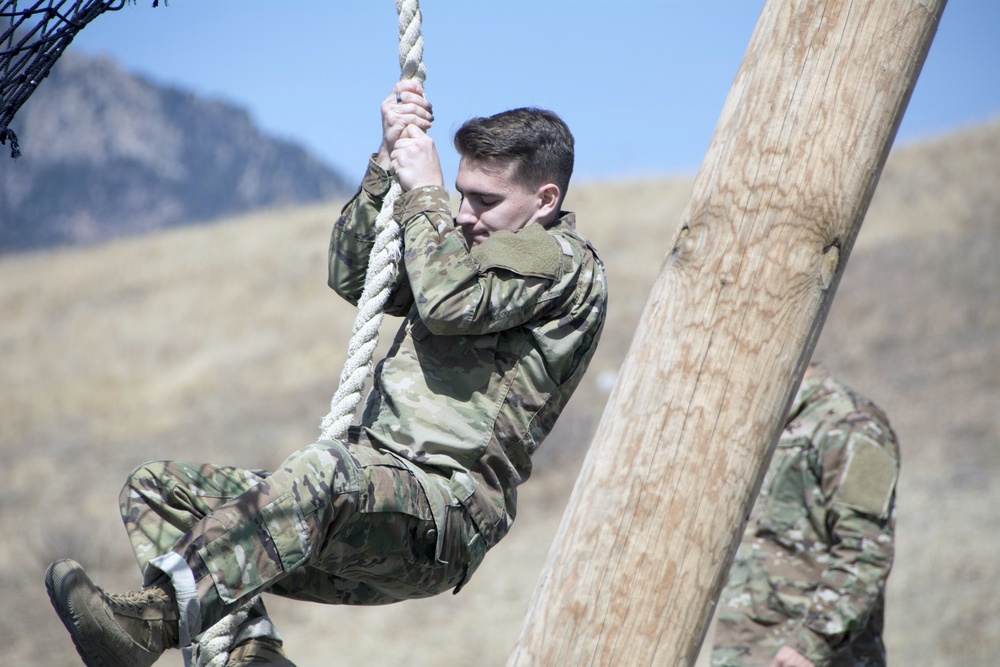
(405, 105)
(789, 657)
(415, 160)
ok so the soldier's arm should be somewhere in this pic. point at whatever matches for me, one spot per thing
(859, 465)
(353, 237)
(506, 281)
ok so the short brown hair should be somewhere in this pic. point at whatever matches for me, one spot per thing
(537, 140)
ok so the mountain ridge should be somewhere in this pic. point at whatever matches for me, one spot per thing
(106, 154)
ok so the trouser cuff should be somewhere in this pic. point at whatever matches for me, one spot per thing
(257, 625)
(181, 578)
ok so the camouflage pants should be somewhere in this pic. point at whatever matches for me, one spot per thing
(335, 523)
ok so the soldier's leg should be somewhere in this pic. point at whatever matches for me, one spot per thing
(218, 565)
(247, 543)
(163, 500)
(374, 530)
(410, 537)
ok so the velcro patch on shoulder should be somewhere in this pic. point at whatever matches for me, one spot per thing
(868, 479)
(530, 251)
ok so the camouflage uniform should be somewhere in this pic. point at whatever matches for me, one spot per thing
(492, 345)
(812, 566)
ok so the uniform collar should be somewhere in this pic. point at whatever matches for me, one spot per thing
(815, 376)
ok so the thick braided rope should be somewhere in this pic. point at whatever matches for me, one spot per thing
(383, 259)
(216, 643)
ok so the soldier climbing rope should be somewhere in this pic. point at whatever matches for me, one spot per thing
(37, 33)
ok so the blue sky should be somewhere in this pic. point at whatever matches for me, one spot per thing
(640, 82)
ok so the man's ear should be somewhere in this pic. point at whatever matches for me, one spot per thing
(549, 197)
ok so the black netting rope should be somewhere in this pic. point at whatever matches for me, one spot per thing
(34, 35)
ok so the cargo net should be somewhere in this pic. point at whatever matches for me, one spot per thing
(33, 34)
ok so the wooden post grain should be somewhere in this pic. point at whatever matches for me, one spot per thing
(679, 455)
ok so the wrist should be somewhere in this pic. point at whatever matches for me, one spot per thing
(426, 183)
(382, 157)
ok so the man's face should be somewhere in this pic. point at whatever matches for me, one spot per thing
(493, 200)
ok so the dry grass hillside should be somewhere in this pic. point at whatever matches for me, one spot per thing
(222, 343)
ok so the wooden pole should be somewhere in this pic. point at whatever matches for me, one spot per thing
(679, 455)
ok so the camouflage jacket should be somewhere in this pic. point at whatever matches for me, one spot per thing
(492, 344)
(817, 550)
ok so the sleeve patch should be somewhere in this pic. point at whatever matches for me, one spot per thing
(531, 251)
(868, 480)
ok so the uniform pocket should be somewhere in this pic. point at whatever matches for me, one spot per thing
(392, 488)
(399, 518)
(255, 550)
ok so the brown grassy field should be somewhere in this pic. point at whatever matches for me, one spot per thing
(222, 343)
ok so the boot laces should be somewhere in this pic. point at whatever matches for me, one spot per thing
(134, 602)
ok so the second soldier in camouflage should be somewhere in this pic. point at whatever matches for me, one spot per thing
(808, 582)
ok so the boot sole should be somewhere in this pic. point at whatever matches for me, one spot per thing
(55, 584)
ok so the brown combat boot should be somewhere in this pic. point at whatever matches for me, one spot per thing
(129, 630)
(259, 652)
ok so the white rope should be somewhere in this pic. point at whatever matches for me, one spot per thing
(383, 259)
(216, 643)
(213, 649)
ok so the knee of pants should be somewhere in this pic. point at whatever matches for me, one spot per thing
(185, 487)
(139, 482)
(317, 474)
